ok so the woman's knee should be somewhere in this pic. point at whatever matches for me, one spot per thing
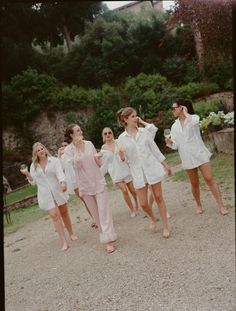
(55, 215)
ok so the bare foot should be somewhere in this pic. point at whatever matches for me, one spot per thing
(223, 211)
(153, 227)
(167, 215)
(133, 213)
(65, 247)
(74, 237)
(166, 233)
(199, 210)
(110, 248)
(93, 225)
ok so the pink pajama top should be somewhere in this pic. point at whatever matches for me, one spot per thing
(89, 178)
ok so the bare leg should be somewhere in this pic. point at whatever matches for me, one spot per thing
(151, 200)
(67, 221)
(158, 196)
(56, 218)
(133, 193)
(194, 180)
(86, 206)
(124, 190)
(210, 180)
(143, 200)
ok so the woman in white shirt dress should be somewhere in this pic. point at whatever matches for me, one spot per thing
(185, 136)
(118, 170)
(46, 172)
(147, 164)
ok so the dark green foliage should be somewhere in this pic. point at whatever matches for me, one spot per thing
(194, 90)
(26, 96)
(106, 103)
(204, 108)
(148, 94)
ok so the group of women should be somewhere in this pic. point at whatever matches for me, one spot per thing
(135, 164)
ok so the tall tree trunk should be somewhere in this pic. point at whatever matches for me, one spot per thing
(67, 37)
(199, 46)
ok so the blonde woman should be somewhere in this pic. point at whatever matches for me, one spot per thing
(46, 172)
(91, 183)
(118, 170)
(147, 164)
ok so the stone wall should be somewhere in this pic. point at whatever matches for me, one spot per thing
(224, 140)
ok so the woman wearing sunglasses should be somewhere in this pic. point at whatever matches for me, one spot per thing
(118, 170)
(91, 183)
(147, 164)
(185, 136)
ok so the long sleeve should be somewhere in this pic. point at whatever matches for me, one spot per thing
(152, 129)
(156, 151)
(174, 144)
(193, 119)
(59, 171)
(32, 173)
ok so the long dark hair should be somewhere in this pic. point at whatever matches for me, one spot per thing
(186, 103)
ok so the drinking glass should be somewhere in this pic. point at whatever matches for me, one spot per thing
(167, 133)
(23, 168)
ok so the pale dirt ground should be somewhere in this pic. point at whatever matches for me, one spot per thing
(193, 270)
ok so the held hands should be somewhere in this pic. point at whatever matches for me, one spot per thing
(63, 186)
(168, 170)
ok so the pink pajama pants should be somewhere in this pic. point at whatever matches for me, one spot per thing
(99, 208)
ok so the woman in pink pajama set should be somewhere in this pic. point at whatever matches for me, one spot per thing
(91, 183)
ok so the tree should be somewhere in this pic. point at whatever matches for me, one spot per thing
(66, 19)
(211, 24)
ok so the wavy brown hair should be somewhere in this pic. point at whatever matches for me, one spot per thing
(123, 114)
(68, 132)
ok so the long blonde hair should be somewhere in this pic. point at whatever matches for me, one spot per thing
(35, 158)
(103, 137)
(123, 114)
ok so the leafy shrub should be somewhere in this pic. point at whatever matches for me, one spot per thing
(148, 93)
(69, 97)
(204, 108)
(229, 85)
(194, 90)
(26, 95)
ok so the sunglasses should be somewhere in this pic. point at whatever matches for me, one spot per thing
(107, 133)
(173, 108)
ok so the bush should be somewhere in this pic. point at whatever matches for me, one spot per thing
(229, 85)
(148, 94)
(66, 98)
(26, 96)
(204, 108)
(194, 90)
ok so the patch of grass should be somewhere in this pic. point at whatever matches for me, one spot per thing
(222, 168)
(20, 194)
(173, 158)
(22, 216)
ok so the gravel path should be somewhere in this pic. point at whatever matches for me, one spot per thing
(192, 270)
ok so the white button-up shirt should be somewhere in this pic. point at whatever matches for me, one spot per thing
(117, 169)
(143, 156)
(188, 141)
(69, 173)
(48, 183)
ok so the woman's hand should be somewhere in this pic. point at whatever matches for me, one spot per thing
(63, 186)
(168, 170)
(168, 141)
